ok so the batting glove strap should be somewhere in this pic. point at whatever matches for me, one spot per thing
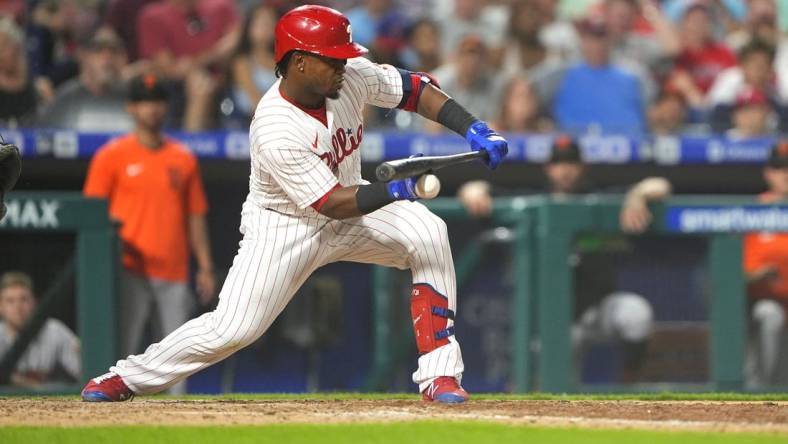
(482, 138)
(404, 189)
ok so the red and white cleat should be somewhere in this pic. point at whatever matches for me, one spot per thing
(108, 387)
(446, 390)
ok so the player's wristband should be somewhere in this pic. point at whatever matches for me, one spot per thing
(373, 196)
(456, 118)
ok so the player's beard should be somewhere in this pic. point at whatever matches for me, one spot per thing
(333, 94)
(151, 124)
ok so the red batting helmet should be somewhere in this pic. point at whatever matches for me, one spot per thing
(318, 30)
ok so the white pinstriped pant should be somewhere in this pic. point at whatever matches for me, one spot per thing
(275, 257)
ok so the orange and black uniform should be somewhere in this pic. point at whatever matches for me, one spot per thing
(152, 192)
(768, 250)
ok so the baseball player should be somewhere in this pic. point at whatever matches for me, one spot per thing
(766, 270)
(308, 206)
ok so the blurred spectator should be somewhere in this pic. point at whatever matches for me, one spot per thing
(558, 36)
(253, 64)
(17, 95)
(423, 52)
(390, 39)
(54, 29)
(470, 79)
(667, 115)
(524, 49)
(752, 116)
(766, 270)
(760, 23)
(13, 9)
(596, 92)
(185, 40)
(472, 17)
(415, 9)
(94, 101)
(754, 71)
(701, 59)
(366, 18)
(51, 45)
(602, 312)
(644, 47)
(53, 355)
(521, 109)
(121, 16)
(154, 189)
(526, 54)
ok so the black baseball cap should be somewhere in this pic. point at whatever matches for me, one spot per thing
(565, 149)
(147, 87)
(778, 156)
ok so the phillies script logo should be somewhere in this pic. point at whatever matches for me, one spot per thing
(344, 143)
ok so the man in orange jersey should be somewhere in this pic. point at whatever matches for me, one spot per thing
(154, 189)
(766, 268)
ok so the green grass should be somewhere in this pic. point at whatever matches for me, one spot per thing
(453, 432)
(344, 396)
(410, 433)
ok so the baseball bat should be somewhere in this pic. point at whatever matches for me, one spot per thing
(413, 166)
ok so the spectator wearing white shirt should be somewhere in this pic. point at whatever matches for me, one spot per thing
(54, 350)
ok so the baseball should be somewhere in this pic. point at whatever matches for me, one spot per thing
(428, 186)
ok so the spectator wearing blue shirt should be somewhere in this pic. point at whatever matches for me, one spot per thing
(365, 20)
(596, 92)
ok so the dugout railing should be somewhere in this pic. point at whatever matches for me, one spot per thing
(95, 267)
(542, 300)
(542, 294)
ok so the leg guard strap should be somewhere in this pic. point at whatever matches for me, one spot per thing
(445, 333)
(443, 312)
(430, 313)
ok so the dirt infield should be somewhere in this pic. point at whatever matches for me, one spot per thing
(663, 415)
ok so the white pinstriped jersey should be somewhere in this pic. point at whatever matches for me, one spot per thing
(296, 159)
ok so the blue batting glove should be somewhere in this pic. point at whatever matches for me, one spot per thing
(482, 138)
(403, 189)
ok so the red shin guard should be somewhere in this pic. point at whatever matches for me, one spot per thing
(430, 313)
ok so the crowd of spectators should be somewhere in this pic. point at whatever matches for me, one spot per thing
(625, 66)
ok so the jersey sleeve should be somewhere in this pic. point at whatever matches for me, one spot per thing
(101, 175)
(300, 173)
(379, 85)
